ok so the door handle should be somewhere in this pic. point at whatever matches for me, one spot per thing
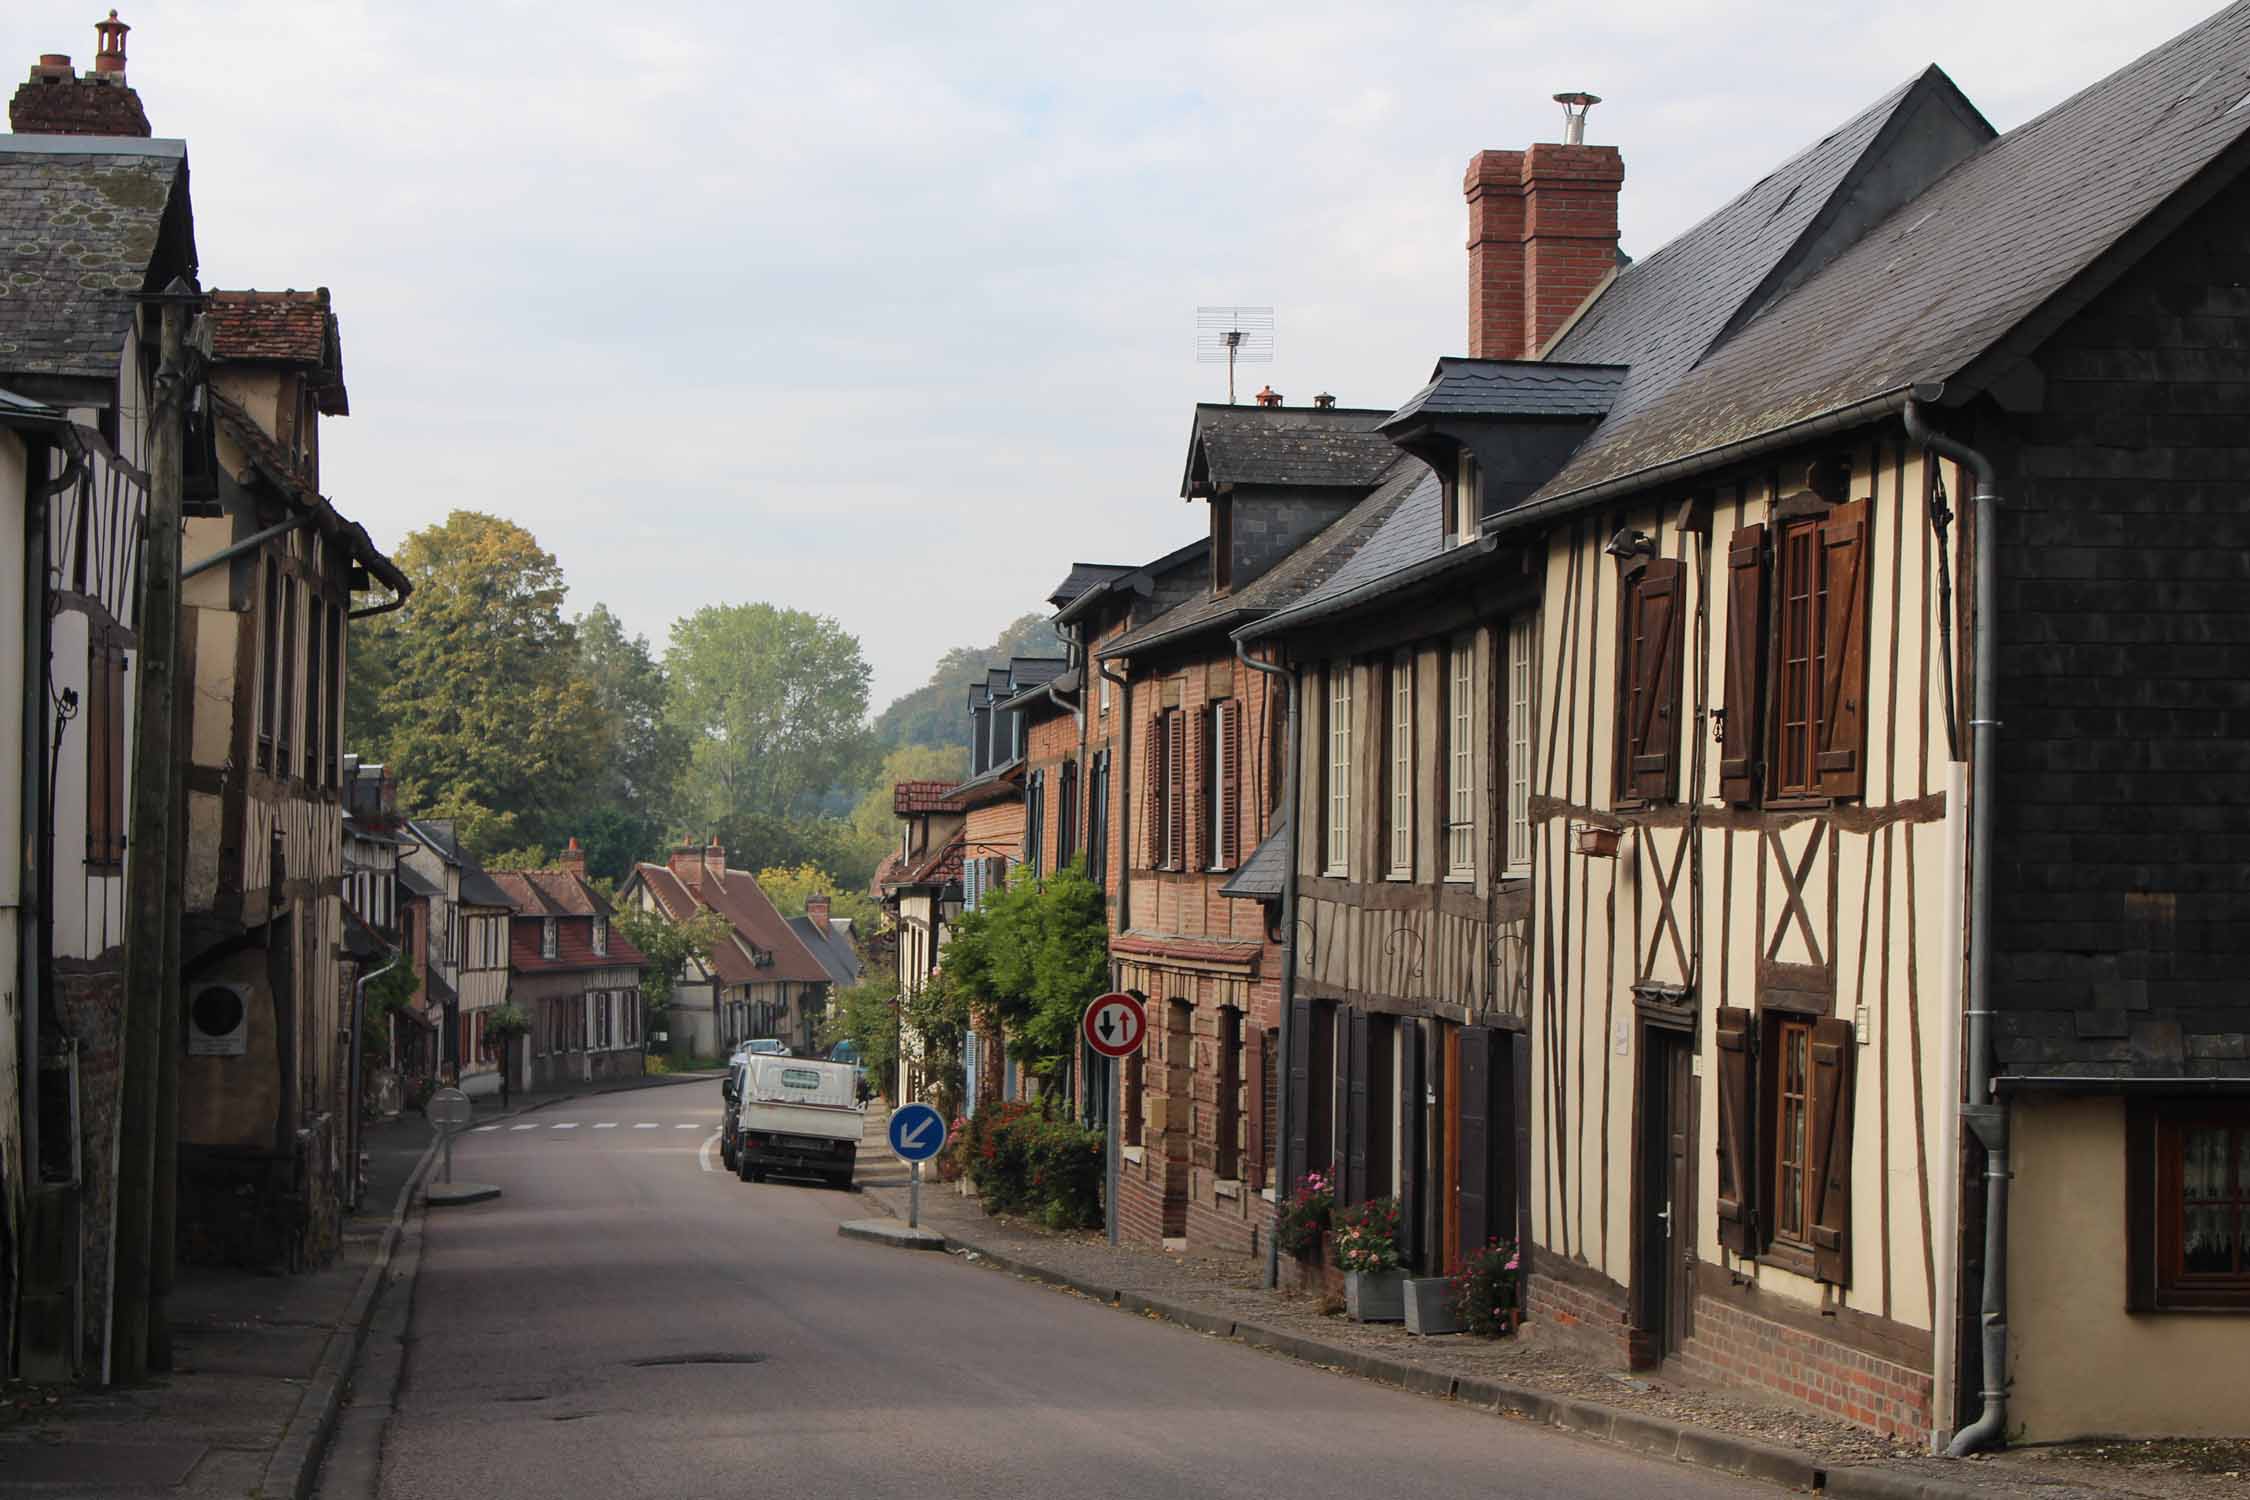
(1666, 1216)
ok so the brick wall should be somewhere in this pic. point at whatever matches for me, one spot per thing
(1585, 1317)
(1737, 1347)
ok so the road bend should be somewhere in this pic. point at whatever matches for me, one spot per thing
(630, 1321)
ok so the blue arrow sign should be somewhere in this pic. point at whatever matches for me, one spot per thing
(917, 1132)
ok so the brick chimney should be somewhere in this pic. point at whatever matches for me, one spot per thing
(686, 864)
(56, 101)
(573, 861)
(715, 861)
(1542, 237)
(816, 908)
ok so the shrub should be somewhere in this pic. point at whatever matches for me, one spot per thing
(1304, 1216)
(1367, 1236)
(1022, 1159)
(1487, 1290)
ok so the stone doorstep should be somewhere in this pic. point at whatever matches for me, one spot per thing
(1655, 1436)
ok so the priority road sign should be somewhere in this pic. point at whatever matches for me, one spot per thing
(917, 1132)
(1115, 1025)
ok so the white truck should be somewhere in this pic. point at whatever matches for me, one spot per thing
(793, 1115)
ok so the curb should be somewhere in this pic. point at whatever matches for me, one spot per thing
(895, 1236)
(1655, 1437)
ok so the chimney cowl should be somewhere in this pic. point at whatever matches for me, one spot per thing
(1575, 106)
(1324, 401)
(110, 56)
(1268, 396)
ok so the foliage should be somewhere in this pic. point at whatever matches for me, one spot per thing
(625, 813)
(1023, 1159)
(787, 887)
(667, 945)
(1035, 953)
(1305, 1215)
(938, 1015)
(865, 1015)
(1488, 1290)
(507, 1022)
(388, 992)
(932, 714)
(1367, 1236)
(871, 833)
(473, 693)
(534, 858)
(772, 705)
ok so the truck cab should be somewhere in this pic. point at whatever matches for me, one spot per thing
(799, 1116)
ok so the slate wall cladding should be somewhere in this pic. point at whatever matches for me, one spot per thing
(1271, 524)
(2121, 921)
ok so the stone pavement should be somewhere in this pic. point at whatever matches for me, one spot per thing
(1525, 1377)
(260, 1363)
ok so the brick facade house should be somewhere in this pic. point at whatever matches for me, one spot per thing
(574, 974)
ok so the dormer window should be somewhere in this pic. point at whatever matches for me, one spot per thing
(1467, 484)
(601, 937)
(547, 938)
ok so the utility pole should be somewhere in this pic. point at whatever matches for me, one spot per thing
(151, 989)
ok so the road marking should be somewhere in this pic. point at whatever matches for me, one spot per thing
(703, 1157)
(646, 1125)
(572, 1125)
(607, 1125)
(687, 1127)
(523, 1127)
(482, 1129)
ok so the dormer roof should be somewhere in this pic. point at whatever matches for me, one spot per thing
(1298, 447)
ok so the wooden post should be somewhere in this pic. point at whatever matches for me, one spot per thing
(148, 868)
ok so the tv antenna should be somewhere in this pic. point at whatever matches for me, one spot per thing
(1232, 336)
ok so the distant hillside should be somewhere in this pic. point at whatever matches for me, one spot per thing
(937, 713)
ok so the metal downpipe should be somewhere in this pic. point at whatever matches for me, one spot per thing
(1987, 1119)
(357, 1108)
(1284, 1099)
(1113, 1077)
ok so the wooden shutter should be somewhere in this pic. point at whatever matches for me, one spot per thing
(1746, 653)
(1195, 853)
(1831, 1149)
(1175, 788)
(1355, 1111)
(1300, 1092)
(1652, 745)
(1407, 1045)
(1840, 764)
(1152, 820)
(1474, 1106)
(1230, 784)
(1738, 1227)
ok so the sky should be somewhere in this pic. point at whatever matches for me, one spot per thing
(887, 311)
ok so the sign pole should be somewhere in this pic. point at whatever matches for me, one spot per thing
(1110, 1103)
(914, 1200)
(449, 1156)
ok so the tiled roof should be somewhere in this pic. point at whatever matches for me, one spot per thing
(550, 893)
(1512, 388)
(574, 946)
(911, 797)
(83, 223)
(1084, 576)
(290, 328)
(1985, 262)
(941, 868)
(1285, 445)
(1308, 572)
(735, 896)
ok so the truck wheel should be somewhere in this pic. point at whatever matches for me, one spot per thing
(742, 1167)
(727, 1155)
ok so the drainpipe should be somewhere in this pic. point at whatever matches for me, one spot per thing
(250, 543)
(1284, 1100)
(1986, 1119)
(36, 882)
(1112, 1076)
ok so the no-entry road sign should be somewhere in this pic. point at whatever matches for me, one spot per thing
(1115, 1025)
(917, 1132)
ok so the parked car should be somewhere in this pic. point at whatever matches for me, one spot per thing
(794, 1116)
(847, 1051)
(764, 1046)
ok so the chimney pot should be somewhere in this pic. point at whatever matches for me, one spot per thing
(110, 56)
(574, 860)
(1324, 401)
(53, 61)
(1268, 396)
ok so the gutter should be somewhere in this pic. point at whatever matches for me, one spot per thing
(1429, 567)
(1987, 1119)
(1284, 1099)
(250, 543)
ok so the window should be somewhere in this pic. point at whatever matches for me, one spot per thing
(1107, 685)
(1230, 1103)
(1034, 818)
(105, 715)
(2187, 1187)
(1221, 774)
(1097, 821)
(332, 748)
(630, 1031)
(1269, 1102)
(316, 635)
(1785, 1135)
(1648, 687)
(1339, 769)
(1167, 801)
(1066, 807)
(1797, 599)
(1401, 865)
(1467, 497)
(1522, 644)
(269, 672)
(547, 937)
(285, 721)
(601, 937)
(1461, 762)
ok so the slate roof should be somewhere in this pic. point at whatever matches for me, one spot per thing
(831, 948)
(1512, 388)
(269, 459)
(1302, 573)
(1084, 576)
(418, 883)
(1262, 876)
(1285, 445)
(1411, 535)
(1999, 249)
(285, 328)
(477, 888)
(1125, 583)
(747, 909)
(911, 797)
(83, 221)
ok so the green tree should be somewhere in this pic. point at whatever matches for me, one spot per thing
(668, 945)
(788, 886)
(772, 704)
(1035, 954)
(866, 1015)
(474, 694)
(627, 810)
(933, 714)
(873, 831)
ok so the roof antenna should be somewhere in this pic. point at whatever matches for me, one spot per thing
(1232, 335)
(1574, 108)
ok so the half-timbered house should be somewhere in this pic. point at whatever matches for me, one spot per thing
(574, 974)
(920, 887)
(456, 929)
(761, 981)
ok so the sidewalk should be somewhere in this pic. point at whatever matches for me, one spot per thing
(260, 1360)
(1523, 1377)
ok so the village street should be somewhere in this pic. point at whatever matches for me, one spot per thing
(585, 1335)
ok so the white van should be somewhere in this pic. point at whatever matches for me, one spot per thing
(796, 1115)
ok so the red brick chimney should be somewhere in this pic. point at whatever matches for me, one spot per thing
(573, 861)
(816, 908)
(1542, 237)
(56, 102)
(715, 861)
(686, 864)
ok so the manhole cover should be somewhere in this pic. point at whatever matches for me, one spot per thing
(698, 1359)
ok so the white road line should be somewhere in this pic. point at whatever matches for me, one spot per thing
(646, 1125)
(482, 1129)
(703, 1157)
(523, 1127)
(572, 1125)
(687, 1127)
(607, 1125)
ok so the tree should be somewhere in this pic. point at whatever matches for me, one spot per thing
(474, 693)
(627, 809)
(668, 945)
(772, 704)
(788, 887)
(867, 1016)
(873, 831)
(933, 714)
(1035, 954)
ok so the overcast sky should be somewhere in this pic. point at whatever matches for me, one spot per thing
(887, 310)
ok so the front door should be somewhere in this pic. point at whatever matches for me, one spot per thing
(1664, 1222)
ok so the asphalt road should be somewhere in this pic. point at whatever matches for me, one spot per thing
(589, 1335)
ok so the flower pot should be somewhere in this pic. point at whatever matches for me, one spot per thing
(1375, 1296)
(1429, 1305)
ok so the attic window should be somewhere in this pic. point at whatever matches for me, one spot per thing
(601, 937)
(1466, 486)
(547, 938)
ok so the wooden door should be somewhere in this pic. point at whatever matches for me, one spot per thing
(1664, 1218)
(1449, 1174)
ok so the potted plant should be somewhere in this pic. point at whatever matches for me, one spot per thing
(1488, 1290)
(1366, 1251)
(1300, 1225)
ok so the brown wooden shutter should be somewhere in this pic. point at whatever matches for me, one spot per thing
(1300, 1093)
(1406, 1046)
(1175, 788)
(1355, 1107)
(1746, 653)
(1653, 742)
(1830, 1152)
(1738, 1226)
(1840, 766)
(1230, 783)
(1473, 1137)
(1152, 810)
